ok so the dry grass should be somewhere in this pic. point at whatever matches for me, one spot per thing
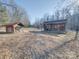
(26, 45)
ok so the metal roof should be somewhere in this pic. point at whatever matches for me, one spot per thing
(56, 21)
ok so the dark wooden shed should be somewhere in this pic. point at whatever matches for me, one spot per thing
(56, 25)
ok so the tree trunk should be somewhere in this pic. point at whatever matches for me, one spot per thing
(76, 35)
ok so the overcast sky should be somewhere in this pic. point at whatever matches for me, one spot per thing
(37, 8)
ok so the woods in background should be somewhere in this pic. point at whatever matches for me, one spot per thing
(3, 14)
(10, 12)
(69, 12)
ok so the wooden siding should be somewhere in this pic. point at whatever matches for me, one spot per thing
(55, 25)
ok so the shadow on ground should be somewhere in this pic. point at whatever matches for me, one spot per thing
(4, 32)
(47, 33)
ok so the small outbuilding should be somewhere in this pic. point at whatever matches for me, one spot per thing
(56, 25)
(9, 27)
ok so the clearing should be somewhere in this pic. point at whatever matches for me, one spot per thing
(34, 44)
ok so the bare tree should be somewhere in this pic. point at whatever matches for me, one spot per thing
(57, 15)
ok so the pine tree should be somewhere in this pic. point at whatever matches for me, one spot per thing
(3, 14)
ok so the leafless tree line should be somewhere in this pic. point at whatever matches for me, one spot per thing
(69, 12)
(14, 12)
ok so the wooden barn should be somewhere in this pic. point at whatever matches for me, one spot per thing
(56, 25)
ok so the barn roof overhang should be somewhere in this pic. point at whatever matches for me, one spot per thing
(56, 22)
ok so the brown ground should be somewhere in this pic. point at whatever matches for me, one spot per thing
(34, 44)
